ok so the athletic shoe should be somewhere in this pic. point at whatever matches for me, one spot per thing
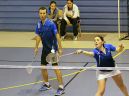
(75, 38)
(59, 92)
(62, 37)
(44, 87)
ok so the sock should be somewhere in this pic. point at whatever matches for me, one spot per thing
(61, 86)
(47, 83)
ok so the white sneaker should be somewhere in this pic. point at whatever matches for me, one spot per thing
(62, 37)
(75, 38)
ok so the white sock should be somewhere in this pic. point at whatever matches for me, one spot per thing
(61, 86)
(47, 83)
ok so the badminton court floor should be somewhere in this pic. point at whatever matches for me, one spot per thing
(17, 82)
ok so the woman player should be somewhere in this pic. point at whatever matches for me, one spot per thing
(103, 56)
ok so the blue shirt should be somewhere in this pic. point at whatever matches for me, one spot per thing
(47, 32)
(105, 60)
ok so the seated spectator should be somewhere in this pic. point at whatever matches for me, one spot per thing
(54, 13)
(70, 16)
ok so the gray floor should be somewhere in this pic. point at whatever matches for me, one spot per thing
(13, 82)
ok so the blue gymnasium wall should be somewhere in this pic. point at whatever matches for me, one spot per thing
(96, 15)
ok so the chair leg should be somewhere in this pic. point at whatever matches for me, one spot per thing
(79, 30)
(59, 28)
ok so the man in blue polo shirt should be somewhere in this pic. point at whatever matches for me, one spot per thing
(46, 32)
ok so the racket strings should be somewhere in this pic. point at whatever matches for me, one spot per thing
(29, 69)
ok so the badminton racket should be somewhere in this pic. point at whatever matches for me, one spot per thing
(54, 57)
(29, 66)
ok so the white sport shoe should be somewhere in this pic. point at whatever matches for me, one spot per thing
(62, 37)
(75, 38)
(44, 87)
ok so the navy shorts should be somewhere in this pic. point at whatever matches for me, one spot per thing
(43, 58)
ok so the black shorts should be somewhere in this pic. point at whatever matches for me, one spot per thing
(43, 58)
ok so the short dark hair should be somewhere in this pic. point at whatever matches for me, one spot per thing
(53, 2)
(43, 8)
(70, 0)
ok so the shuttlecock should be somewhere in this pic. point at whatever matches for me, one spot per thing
(52, 51)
